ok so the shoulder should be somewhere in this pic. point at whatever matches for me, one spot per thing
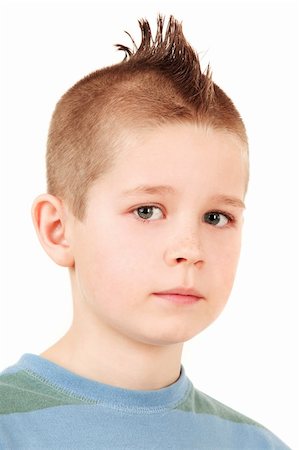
(21, 391)
(221, 419)
(198, 402)
(18, 391)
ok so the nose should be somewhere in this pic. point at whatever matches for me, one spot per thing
(187, 250)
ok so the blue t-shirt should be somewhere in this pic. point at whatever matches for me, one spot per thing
(45, 406)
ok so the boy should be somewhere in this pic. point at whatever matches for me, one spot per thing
(147, 170)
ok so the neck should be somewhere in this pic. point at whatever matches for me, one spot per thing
(97, 352)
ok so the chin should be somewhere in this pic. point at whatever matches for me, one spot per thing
(169, 337)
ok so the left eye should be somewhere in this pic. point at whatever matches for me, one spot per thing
(216, 218)
(145, 212)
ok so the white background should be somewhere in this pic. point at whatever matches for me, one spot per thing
(248, 358)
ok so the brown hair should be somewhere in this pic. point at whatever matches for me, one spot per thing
(160, 82)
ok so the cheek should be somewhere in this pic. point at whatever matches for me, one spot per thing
(110, 265)
(223, 261)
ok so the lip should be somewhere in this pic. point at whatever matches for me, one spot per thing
(180, 295)
(182, 291)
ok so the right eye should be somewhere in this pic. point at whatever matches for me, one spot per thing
(145, 212)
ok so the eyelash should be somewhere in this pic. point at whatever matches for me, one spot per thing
(231, 219)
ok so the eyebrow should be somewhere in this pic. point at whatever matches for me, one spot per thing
(169, 190)
(228, 200)
(152, 190)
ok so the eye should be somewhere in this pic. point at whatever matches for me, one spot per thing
(145, 212)
(217, 219)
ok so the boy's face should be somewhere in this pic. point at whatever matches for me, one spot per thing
(123, 255)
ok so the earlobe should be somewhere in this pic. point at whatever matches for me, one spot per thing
(49, 220)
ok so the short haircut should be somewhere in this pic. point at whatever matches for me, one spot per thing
(160, 82)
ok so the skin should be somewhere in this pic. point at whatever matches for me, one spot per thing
(121, 333)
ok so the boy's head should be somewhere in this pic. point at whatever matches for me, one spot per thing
(160, 83)
(153, 120)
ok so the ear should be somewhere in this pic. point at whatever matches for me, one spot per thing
(49, 219)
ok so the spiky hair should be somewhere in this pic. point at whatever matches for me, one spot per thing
(173, 56)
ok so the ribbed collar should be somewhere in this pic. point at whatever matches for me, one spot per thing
(94, 391)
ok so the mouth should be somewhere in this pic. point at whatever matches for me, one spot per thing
(180, 295)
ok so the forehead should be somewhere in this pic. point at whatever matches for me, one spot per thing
(168, 141)
(182, 150)
(190, 161)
